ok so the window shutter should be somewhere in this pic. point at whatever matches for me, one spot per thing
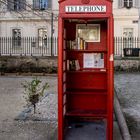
(49, 4)
(23, 4)
(136, 3)
(10, 5)
(36, 4)
(120, 3)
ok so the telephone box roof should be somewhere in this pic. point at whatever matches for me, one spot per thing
(87, 0)
(85, 7)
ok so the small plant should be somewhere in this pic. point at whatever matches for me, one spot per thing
(33, 91)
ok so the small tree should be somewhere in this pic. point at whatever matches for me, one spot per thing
(33, 91)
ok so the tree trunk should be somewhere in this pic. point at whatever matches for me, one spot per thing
(34, 108)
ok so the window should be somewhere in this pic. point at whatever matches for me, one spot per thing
(128, 32)
(42, 34)
(41, 4)
(128, 3)
(16, 34)
(128, 37)
(16, 5)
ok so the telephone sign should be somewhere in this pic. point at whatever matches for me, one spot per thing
(90, 9)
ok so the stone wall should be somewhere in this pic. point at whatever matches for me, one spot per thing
(127, 64)
(28, 64)
(39, 64)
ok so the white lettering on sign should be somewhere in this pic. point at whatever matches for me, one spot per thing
(92, 8)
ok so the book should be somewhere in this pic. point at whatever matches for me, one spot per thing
(73, 65)
(81, 44)
(68, 65)
(71, 44)
(77, 65)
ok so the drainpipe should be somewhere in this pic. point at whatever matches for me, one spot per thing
(0, 38)
(52, 53)
(121, 119)
(139, 23)
(138, 7)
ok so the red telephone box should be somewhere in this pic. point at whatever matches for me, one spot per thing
(85, 70)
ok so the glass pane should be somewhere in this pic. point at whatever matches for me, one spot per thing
(42, 34)
(88, 33)
(16, 33)
(44, 4)
(128, 37)
(128, 32)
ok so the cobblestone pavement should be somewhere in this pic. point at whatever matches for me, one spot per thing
(128, 88)
(42, 125)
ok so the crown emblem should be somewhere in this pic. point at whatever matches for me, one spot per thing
(85, 1)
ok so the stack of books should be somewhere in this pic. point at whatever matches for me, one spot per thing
(73, 65)
(80, 44)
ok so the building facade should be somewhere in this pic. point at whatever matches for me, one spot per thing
(30, 18)
(27, 27)
(126, 18)
(34, 17)
(20, 19)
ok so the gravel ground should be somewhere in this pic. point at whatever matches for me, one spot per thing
(42, 125)
(128, 89)
(29, 130)
(46, 109)
(12, 104)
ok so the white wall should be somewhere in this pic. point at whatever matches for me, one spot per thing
(27, 21)
(28, 28)
(120, 24)
(123, 18)
(55, 5)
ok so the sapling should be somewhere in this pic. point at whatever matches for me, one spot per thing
(33, 91)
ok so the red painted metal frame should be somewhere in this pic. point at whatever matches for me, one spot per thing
(60, 77)
(110, 79)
